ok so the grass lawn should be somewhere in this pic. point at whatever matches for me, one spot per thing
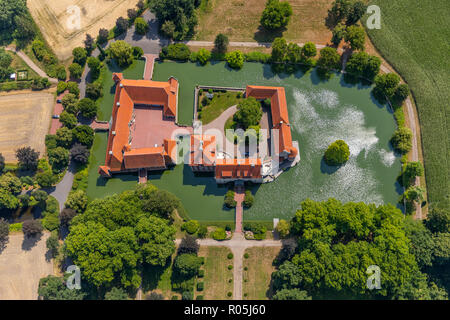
(414, 40)
(239, 20)
(159, 279)
(258, 275)
(218, 104)
(217, 275)
(18, 64)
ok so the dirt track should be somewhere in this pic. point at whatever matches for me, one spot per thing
(24, 119)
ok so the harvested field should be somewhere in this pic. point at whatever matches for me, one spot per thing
(240, 21)
(25, 119)
(55, 20)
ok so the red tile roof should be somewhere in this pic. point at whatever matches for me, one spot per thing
(280, 117)
(238, 168)
(203, 150)
(120, 156)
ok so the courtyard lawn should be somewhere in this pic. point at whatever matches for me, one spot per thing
(217, 275)
(217, 105)
(159, 279)
(418, 49)
(320, 112)
(256, 279)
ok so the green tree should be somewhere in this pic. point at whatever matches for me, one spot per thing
(291, 294)
(276, 14)
(168, 29)
(102, 36)
(79, 55)
(356, 11)
(32, 228)
(187, 265)
(84, 134)
(58, 159)
(88, 108)
(283, 228)
(156, 239)
(337, 153)
(309, 50)
(8, 200)
(338, 33)
(401, 93)
(94, 91)
(95, 66)
(77, 200)
(401, 140)
(412, 170)
(69, 102)
(10, 183)
(221, 43)
(53, 244)
(355, 37)
(438, 219)
(68, 119)
(54, 288)
(73, 88)
(249, 112)
(385, 86)
(46, 178)
(75, 70)
(235, 59)
(329, 59)
(141, 26)
(122, 52)
(27, 158)
(161, 203)
(279, 48)
(64, 137)
(2, 163)
(414, 194)
(116, 294)
(248, 199)
(422, 244)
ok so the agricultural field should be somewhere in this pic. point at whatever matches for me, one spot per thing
(307, 22)
(55, 20)
(257, 272)
(418, 50)
(25, 119)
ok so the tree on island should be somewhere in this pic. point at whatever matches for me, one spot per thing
(337, 153)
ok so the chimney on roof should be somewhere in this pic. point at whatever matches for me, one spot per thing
(118, 104)
(253, 165)
(121, 85)
(113, 133)
(110, 152)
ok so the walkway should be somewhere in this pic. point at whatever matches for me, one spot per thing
(62, 189)
(57, 110)
(239, 194)
(31, 64)
(99, 125)
(149, 63)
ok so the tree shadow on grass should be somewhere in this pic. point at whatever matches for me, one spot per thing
(325, 168)
(151, 275)
(264, 35)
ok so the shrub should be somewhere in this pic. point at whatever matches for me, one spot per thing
(283, 228)
(138, 52)
(187, 295)
(15, 227)
(248, 199)
(116, 294)
(219, 234)
(229, 199)
(246, 255)
(401, 140)
(187, 265)
(235, 59)
(51, 222)
(94, 65)
(66, 216)
(230, 256)
(199, 297)
(256, 56)
(229, 294)
(94, 90)
(191, 226)
(79, 153)
(329, 59)
(276, 14)
(230, 267)
(31, 228)
(245, 268)
(77, 200)
(141, 26)
(175, 297)
(356, 37)
(203, 56)
(79, 55)
(188, 245)
(202, 232)
(62, 86)
(200, 286)
(46, 178)
(201, 273)
(177, 51)
(337, 153)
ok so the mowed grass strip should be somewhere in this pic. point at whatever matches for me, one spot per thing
(256, 279)
(239, 20)
(414, 39)
(217, 275)
(219, 103)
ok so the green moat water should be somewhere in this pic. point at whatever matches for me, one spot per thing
(320, 112)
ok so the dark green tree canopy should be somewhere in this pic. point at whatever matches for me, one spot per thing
(276, 14)
(249, 113)
(337, 153)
